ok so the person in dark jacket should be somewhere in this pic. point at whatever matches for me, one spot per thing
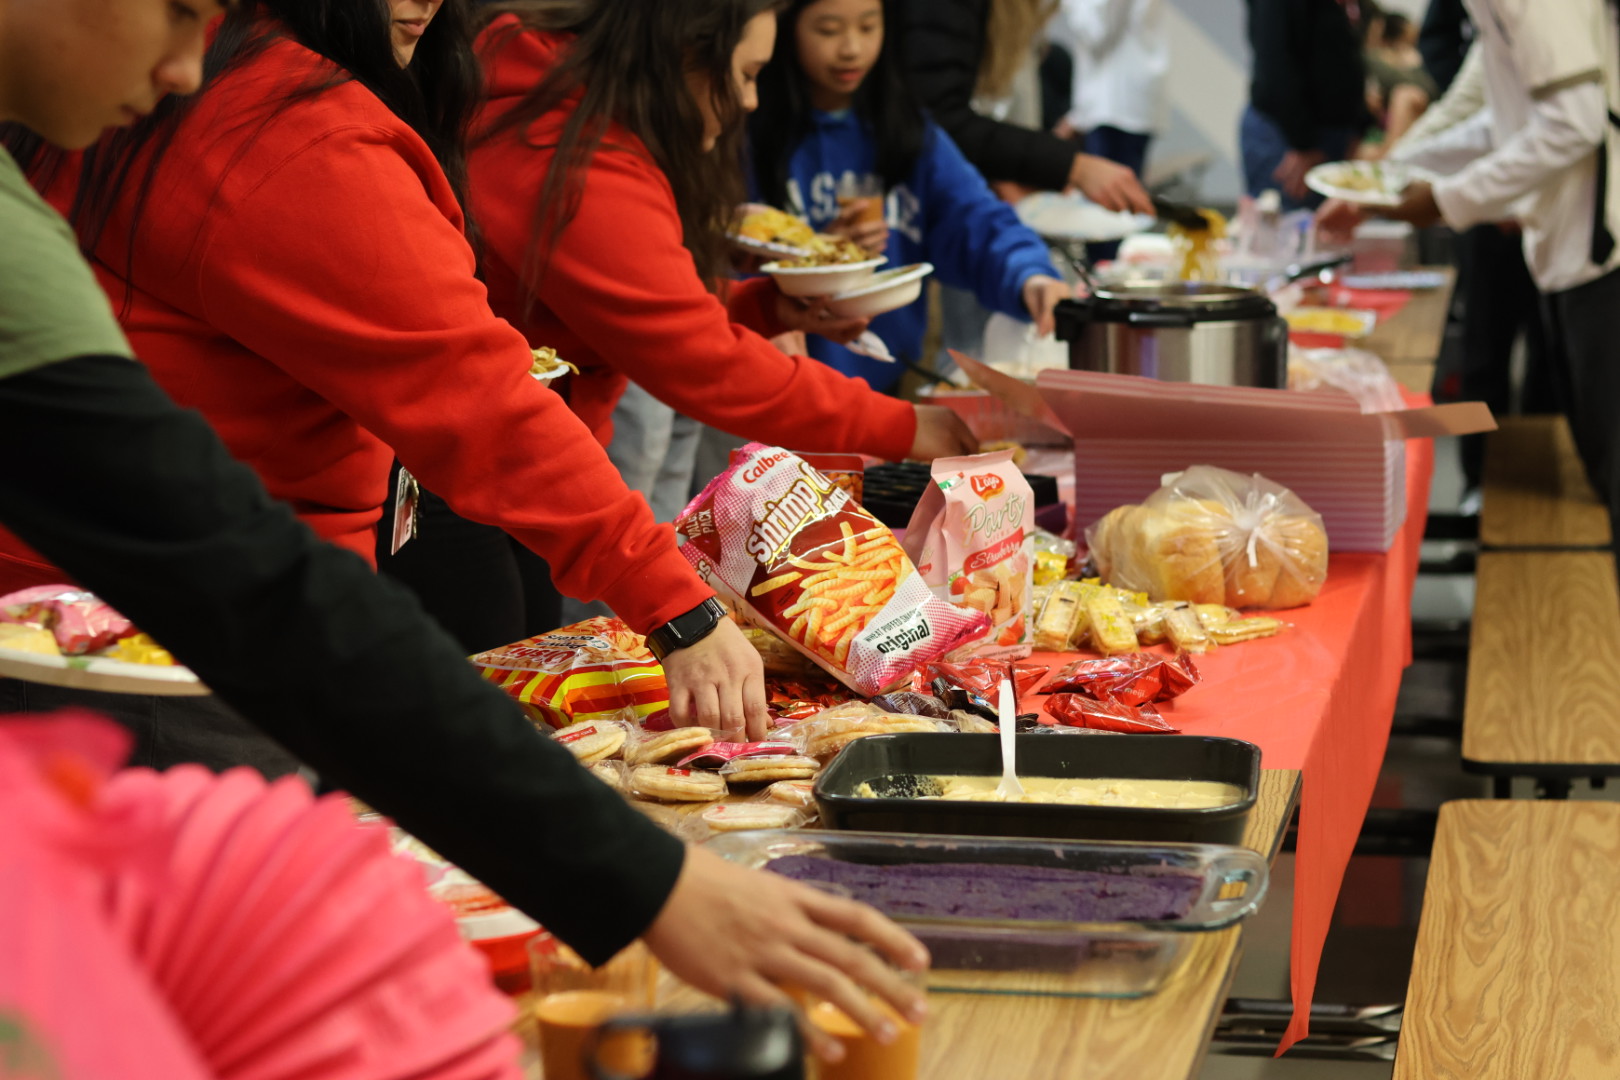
(945, 46)
(1307, 93)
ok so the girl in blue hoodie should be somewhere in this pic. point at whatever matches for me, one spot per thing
(836, 122)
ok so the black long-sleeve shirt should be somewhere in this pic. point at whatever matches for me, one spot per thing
(1308, 74)
(942, 44)
(139, 500)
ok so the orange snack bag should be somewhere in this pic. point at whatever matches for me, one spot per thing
(592, 670)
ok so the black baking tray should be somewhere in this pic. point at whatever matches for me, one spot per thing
(1155, 757)
(892, 490)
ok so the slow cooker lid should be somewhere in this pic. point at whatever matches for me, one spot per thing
(1199, 300)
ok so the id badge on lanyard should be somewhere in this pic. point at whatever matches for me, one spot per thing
(407, 500)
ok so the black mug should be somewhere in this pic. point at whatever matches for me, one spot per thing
(742, 1044)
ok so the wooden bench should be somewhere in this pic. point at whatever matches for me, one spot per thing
(1516, 975)
(1535, 489)
(1543, 696)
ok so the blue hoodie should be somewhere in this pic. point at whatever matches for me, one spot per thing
(944, 213)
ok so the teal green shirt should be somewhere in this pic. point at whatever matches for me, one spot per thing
(51, 307)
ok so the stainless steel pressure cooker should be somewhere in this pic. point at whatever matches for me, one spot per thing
(1181, 331)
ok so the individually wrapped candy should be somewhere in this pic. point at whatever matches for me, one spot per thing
(912, 704)
(591, 670)
(79, 620)
(1081, 710)
(1133, 679)
(982, 677)
(1211, 536)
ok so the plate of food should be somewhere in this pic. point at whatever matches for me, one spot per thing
(1369, 183)
(765, 230)
(1074, 218)
(64, 636)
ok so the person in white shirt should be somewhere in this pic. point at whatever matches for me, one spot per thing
(1500, 300)
(1121, 58)
(1542, 153)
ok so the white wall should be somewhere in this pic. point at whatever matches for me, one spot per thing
(1208, 88)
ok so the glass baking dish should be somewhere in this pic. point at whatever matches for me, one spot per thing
(1028, 957)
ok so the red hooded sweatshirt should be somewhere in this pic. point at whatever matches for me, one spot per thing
(620, 297)
(301, 278)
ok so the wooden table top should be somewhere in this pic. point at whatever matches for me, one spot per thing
(1563, 608)
(1413, 336)
(1522, 508)
(1517, 969)
(979, 1036)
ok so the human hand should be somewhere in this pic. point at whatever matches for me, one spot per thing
(812, 317)
(1109, 184)
(1291, 173)
(792, 343)
(1064, 129)
(940, 433)
(729, 931)
(718, 682)
(1417, 205)
(1011, 192)
(1041, 295)
(861, 220)
(1336, 221)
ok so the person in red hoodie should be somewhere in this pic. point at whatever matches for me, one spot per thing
(604, 172)
(287, 253)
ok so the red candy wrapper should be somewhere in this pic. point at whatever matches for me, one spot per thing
(1078, 710)
(1133, 679)
(79, 621)
(717, 754)
(980, 677)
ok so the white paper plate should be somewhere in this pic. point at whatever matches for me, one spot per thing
(100, 673)
(888, 291)
(1074, 217)
(827, 280)
(1368, 183)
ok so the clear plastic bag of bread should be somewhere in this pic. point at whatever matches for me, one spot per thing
(1357, 372)
(1212, 536)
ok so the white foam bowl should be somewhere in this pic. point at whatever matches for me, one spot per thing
(822, 280)
(884, 292)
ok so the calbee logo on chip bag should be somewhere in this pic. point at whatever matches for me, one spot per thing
(987, 487)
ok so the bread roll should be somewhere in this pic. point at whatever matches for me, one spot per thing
(1201, 552)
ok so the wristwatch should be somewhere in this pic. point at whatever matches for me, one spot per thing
(688, 629)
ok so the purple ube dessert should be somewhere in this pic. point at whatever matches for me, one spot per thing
(1001, 891)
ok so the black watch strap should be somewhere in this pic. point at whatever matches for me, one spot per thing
(688, 629)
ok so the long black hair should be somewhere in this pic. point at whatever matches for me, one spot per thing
(884, 103)
(436, 95)
(627, 62)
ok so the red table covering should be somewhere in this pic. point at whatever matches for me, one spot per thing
(1319, 698)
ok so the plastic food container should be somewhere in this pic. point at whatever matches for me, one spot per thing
(822, 280)
(887, 291)
(1157, 757)
(1064, 959)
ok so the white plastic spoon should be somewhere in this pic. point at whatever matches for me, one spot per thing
(1007, 716)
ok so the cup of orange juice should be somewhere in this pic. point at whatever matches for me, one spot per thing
(864, 1057)
(573, 1000)
(870, 207)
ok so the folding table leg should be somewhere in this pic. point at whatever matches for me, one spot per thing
(1502, 787)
